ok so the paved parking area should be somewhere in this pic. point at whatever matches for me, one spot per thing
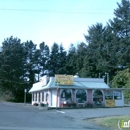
(96, 112)
(26, 117)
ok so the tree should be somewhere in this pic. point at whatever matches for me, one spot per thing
(71, 60)
(57, 60)
(81, 53)
(62, 60)
(122, 80)
(44, 58)
(127, 92)
(108, 47)
(120, 26)
(96, 46)
(31, 66)
(13, 58)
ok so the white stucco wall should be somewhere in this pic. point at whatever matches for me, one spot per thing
(53, 100)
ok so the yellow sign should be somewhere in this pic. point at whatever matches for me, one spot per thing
(64, 79)
(110, 103)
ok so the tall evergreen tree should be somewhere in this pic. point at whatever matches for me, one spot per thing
(71, 60)
(62, 60)
(81, 53)
(44, 58)
(13, 58)
(57, 60)
(31, 62)
(120, 26)
(96, 44)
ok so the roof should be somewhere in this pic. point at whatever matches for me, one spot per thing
(79, 83)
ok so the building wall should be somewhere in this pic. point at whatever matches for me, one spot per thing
(89, 96)
(120, 102)
(50, 97)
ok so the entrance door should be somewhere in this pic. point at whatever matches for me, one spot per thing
(54, 98)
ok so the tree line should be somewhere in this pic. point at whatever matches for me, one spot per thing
(107, 49)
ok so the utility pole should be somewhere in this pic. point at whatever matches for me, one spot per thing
(25, 91)
(57, 84)
(107, 78)
(99, 75)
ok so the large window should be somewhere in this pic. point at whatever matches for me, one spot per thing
(117, 95)
(98, 96)
(109, 95)
(81, 96)
(66, 96)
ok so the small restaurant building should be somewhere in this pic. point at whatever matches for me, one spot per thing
(72, 91)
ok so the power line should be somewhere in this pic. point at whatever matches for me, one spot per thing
(53, 11)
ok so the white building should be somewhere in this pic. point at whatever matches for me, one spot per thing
(66, 91)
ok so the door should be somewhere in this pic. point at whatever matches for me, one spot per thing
(54, 98)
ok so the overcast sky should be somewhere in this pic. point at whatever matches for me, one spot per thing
(61, 21)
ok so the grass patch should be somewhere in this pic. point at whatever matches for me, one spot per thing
(109, 122)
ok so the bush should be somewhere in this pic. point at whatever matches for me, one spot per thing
(73, 105)
(35, 104)
(42, 104)
(89, 104)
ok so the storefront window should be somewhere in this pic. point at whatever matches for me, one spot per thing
(81, 96)
(66, 96)
(117, 95)
(109, 95)
(98, 96)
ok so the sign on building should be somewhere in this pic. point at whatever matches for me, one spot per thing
(110, 103)
(64, 79)
(44, 80)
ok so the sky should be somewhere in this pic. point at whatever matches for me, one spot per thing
(49, 21)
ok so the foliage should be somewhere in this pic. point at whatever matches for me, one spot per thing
(108, 47)
(13, 57)
(122, 80)
(57, 60)
(71, 60)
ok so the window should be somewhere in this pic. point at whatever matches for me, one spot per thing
(33, 96)
(42, 96)
(117, 95)
(66, 95)
(98, 95)
(109, 95)
(39, 96)
(81, 96)
(36, 96)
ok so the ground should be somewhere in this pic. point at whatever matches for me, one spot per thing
(26, 117)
